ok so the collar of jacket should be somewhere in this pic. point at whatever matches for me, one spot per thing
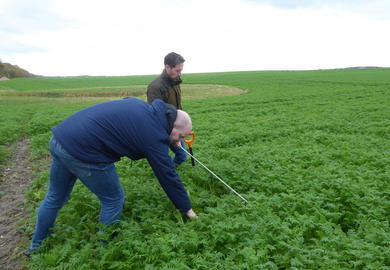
(171, 114)
(166, 113)
(171, 81)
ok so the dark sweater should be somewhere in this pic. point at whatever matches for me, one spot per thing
(166, 89)
(105, 132)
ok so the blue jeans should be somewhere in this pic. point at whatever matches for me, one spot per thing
(180, 155)
(101, 179)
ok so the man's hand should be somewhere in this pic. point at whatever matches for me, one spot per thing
(178, 144)
(191, 214)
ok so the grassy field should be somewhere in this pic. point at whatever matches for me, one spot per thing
(310, 150)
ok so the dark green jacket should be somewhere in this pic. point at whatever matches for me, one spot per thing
(166, 89)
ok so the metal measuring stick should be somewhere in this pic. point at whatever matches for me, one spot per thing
(223, 182)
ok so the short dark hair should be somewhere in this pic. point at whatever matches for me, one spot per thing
(172, 59)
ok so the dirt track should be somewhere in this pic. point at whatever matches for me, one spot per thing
(16, 176)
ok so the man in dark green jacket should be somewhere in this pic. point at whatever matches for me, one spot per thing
(167, 88)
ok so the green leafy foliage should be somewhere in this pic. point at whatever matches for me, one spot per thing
(309, 150)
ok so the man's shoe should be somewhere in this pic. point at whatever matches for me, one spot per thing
(28, 252)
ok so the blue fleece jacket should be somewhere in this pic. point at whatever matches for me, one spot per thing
(105, 132)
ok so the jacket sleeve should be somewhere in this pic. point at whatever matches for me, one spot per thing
(153, 92)
(163, 169)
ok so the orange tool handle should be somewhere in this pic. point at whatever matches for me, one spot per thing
(191, 140)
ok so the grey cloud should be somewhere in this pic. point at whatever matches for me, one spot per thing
(19, 16)
(8, 46)
(294, 4)
(285, 4)
(378, 9)
(12, 44)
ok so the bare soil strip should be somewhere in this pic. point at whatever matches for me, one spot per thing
(15, 178)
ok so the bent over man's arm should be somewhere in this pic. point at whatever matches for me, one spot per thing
(166, 174)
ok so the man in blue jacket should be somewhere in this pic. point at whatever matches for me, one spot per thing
(86, 145)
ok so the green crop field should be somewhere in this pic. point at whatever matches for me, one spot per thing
(309, 150)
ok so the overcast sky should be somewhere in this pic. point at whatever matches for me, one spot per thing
(124, 37)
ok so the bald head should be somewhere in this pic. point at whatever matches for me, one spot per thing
(181, 127)
(183, 121)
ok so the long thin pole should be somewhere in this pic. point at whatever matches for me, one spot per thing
(223, 182)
